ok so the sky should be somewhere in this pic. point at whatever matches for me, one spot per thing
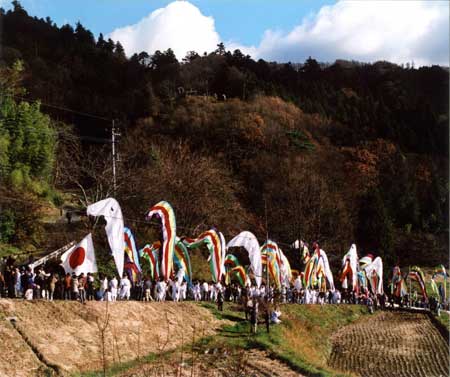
(275, 30)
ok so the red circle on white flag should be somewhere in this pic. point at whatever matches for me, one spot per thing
(77, 258)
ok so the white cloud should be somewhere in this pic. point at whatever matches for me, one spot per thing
(179, 26)
(398, 31)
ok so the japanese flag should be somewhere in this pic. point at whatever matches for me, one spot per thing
(80, 258)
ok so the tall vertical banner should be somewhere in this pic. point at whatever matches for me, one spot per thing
(131, 261)
(164, 212)
(110, 209)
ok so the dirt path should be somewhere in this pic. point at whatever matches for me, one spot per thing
(243, 363)
(391, 344)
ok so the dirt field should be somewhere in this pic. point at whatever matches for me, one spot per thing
(67, 336)
(391, 344)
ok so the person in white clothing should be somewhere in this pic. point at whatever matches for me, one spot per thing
(275, 316)
(113, 285)
(205, 289)
(108, 295)
(125, 287)
(182, 291)
(103, 288)
(174, 289)
(212, 292)
(217, 288)
(197, 292)
(161, 287)
(307, 296)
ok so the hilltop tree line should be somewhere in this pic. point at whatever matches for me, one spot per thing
(343, 152)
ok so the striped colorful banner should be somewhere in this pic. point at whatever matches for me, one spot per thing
(231, 261)
(211, 239)
(151, 254)
(239, 273)
(270, 256)
(417, 275)
(182, 260)
(164, 211)
(131, 260)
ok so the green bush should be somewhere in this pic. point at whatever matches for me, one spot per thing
(7, 225)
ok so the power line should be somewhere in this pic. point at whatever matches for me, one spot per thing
(139, 221)
(63, 108)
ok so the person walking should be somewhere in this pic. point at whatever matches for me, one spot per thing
(220, 300)
(148, 289)
(254, 316)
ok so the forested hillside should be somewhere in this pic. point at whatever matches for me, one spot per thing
(340, 153)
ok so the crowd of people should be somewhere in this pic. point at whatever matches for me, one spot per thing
(24, 282)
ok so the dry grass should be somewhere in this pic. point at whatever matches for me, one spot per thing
(66, 333)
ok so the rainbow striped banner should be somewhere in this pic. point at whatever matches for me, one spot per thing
(151, 254)
(182, 260)
(434, 287)
(164, 211)
(441, 271)
(239, 273)
(231, 261)
(270, 256)
(310, 273)
(416, 274)
(131, 260)
(210, 238)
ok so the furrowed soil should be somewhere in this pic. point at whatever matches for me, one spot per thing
(397, 344)
(64, 337)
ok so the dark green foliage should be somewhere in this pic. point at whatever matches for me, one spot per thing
(31, 142)
(26, 138)
(7, 226)
(375, 228)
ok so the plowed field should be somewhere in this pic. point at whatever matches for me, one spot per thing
(391, 344)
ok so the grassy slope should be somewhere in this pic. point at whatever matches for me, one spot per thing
(444, 319)
(302, 340)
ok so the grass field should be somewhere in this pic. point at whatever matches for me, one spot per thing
(302, 340)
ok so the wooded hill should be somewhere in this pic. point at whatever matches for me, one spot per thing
(340, 153)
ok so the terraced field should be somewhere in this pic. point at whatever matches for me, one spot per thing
(391, 344)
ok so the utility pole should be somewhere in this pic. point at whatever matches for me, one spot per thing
(267, 255)
(409, 296)
(114, 154)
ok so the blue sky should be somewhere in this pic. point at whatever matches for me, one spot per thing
(281, 30)
(241, 20)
